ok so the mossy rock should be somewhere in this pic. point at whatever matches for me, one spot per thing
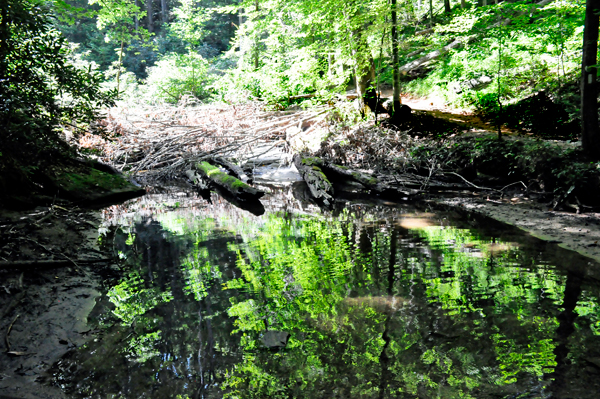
(85, 184)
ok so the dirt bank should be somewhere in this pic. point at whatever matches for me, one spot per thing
(45, 305)
(576, 232)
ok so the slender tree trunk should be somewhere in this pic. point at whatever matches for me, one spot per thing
(431, 13)
(149, 15)
(590, 134)
(484, 3)
(119, 70)
(256, 42)
(447, 8)
(499, 93)
(463, 4)
(395, 60)
(136, 20)
(164, 14)
(240, 22)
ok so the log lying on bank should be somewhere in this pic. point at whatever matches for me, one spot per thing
(232, 185)
(318, 175)
(431, 56)
(368, 181)
(320, 187)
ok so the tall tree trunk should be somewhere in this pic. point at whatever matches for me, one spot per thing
(590, 134)
(395, 60)
(365, 76)
(431, 13)
(240, 22)
(136, 20)
(447, 8)
(119, 70)
(149, 15)
(463, 4)
(256, 42)
(164, 13)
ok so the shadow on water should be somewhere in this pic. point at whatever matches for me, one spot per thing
(368, 301)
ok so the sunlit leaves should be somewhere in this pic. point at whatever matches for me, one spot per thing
(189, 23)
(131, 299)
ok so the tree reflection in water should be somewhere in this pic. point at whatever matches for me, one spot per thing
(378, 304)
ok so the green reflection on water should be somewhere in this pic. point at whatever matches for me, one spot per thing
(374, 308)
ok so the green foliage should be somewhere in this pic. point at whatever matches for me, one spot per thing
(41, 87)
(536, 49)
(176, 76)
(281, 76)
(189, 22)
(541, 165)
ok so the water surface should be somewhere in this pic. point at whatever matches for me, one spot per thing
(369, 301)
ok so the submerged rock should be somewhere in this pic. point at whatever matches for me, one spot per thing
(275, 339)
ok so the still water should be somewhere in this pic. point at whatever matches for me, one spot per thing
(372, 300)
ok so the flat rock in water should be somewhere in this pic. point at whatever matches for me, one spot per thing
(283, 175)
(275, 339)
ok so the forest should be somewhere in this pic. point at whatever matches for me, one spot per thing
(301, 198)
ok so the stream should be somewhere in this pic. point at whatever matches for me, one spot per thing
(373, 299)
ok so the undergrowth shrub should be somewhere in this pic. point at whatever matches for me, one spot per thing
(179, 75)
(280, 77)
(543, 166)
(537, 114)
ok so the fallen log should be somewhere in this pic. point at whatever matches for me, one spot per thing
(320, 187)
(366, 180)
(252, 205)
(431, 56)
(234, 186)
(302, 96)
(232, 168)
(424, 32)
(314, 166)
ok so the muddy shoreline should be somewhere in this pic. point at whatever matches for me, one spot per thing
(571, 231)
(47, 309)
(54, 305)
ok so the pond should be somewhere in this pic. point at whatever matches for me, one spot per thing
(371, 300)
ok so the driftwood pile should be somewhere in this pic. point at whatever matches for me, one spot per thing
(207, 144)
(366, 146)
(160, 143)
